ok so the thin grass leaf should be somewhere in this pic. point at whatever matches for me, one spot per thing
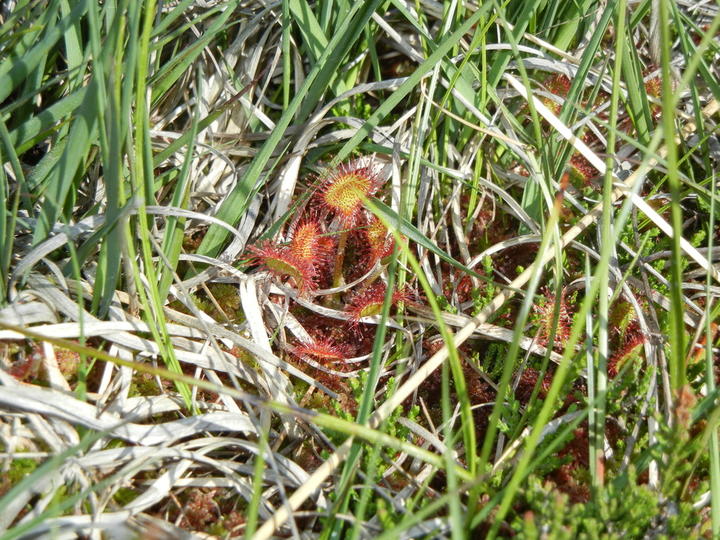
(315, 83)
(638, 105)
(410, 83)
(313, 34)
(14, 71)
(410, 231)
(676, 329)
(61, 175)
(168, 75)
(174, 229)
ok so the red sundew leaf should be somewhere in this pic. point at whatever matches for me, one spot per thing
(559, 84)
(377, 237)
(632, 342)
(322, 349)
(309, 242)
(366, 302)
(369, 301)
(282, 262)
(344, 189)
(544, 312)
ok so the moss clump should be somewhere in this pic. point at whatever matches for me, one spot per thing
(125, 496)
(19, 469)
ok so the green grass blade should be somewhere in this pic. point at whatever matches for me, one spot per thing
(713, 444)
(14, 71)
(676, 359)
(143, 182)
(36, 127)
(606, 253)
(174, 229)
(408, 85)
(410, 231)
(519, 27)
(169, 74)
(638, 106)
(312, 33)
(316, 81)
(61, 176)
(364, 410)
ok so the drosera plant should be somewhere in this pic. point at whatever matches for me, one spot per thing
(368, 243)
(321, 349)
(544, 318)
(333, 245)
(627, 338)
(317, 239)
(341, 196)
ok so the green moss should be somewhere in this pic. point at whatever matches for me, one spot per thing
(125, 496)
(217, 529)
(20, 468)
(142, 385)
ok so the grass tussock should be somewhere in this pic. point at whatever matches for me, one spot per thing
(359, 269)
